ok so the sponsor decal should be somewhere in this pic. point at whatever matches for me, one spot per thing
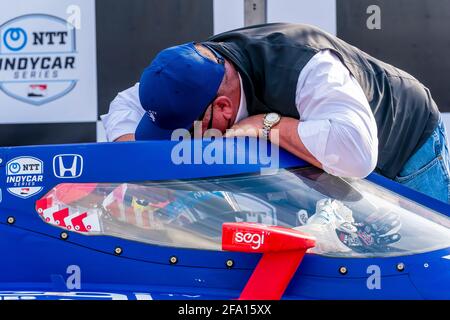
(68, 166)
(302, 216)
(255, 239)
(37, 90)
(152, 115)
(24, 176)
(38, 58)
(366, 238)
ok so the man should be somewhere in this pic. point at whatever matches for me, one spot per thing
(332, 104)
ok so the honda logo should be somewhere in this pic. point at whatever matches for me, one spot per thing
(66, 166)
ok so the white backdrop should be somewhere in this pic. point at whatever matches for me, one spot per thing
(50, 77)
(321, 13)
(229, 14)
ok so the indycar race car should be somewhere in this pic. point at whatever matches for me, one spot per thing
(128, 221)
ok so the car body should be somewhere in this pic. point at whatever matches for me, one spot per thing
(175, 252)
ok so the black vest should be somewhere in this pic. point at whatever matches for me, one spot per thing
(270, 58)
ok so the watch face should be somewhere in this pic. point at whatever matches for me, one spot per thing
(272, 117)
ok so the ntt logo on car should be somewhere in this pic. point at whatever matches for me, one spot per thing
(255, 239)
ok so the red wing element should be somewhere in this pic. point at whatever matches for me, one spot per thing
(283, 250)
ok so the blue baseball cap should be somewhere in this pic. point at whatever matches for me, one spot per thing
(176, 89)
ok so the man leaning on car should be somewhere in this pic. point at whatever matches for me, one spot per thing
(332, 104)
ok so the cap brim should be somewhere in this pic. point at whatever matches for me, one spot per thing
(148, 130)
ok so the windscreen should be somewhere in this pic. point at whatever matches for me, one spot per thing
(348, 218)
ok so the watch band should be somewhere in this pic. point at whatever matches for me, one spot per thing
(266, 131)
(268, 124)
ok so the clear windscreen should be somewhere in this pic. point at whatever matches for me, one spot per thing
(348, 218)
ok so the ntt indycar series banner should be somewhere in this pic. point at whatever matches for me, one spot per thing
(47, 61)
(38, 66)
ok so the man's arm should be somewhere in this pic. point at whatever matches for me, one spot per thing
(350, 156)
(283, 134)
(346, 151)
(125, 137)
(288, 138)
(337, 124)
(125, 113)
(337, 131)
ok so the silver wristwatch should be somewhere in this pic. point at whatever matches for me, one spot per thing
(270, 120)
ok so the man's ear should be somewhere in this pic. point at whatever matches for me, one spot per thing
(224, 106)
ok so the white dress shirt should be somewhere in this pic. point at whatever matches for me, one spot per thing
(336, 123)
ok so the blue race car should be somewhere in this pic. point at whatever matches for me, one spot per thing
(126, 221)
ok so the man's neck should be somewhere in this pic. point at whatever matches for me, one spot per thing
(242, 112)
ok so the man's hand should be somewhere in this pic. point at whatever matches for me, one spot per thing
(248, 127)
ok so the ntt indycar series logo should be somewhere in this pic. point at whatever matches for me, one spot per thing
(24, 176)
(38, 58)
